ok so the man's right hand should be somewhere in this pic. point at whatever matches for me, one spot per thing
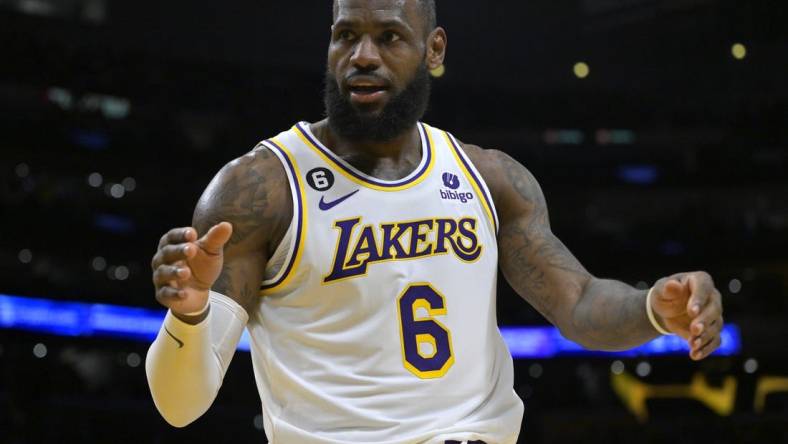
(185, 267)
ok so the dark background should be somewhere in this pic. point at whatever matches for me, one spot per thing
(671, 156)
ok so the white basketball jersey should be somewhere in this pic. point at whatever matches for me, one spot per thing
(377, 323)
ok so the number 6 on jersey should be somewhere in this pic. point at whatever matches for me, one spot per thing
(426, 343)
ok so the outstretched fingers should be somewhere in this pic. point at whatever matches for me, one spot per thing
(700, 345)
(169, 264)
(213, 241)
(168, 274)
(701, 289)
(673, 288)
(172, 254)
(670, 297)
(706, 349)
(705, 311)
(178, 236)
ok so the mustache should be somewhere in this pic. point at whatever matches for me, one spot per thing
(366, 75)
(403, 109)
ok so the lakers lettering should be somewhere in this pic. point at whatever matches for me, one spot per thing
(359, 245)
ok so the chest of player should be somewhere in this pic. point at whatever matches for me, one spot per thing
(351, 227)
(374, 228)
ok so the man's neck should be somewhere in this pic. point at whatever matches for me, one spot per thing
(389, 160)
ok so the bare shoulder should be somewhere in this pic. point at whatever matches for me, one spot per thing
(252, 193)
(485, 160)
(513, 187)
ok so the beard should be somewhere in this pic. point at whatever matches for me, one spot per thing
(399, 114)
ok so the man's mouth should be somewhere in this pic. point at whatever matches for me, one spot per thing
(366, 90)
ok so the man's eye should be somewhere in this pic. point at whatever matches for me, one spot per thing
(345, 35)
(390, 37)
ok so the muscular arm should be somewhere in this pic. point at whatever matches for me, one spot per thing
(251, 193)
(187, 362)
(596, 313)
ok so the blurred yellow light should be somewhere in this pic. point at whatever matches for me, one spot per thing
(739, 51)
(582, 70)
(439, 71)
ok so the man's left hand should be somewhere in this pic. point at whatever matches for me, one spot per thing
(689, 305)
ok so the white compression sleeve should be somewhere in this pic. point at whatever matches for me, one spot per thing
(186, 363)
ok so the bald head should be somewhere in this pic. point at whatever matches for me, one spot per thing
(428, 12)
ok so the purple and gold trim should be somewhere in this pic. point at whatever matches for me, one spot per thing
(354, 175)
(298, 204)
(475, 178)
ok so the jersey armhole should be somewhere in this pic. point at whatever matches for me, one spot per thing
(288, 253)
(476, 180)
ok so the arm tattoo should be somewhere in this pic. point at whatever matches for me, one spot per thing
(534, 261)
(243, 197)
(249, 194)
(224, 284)
(602, 314)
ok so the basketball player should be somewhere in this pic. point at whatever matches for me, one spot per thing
(361, 252)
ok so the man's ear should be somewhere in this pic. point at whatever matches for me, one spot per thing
(436, 48)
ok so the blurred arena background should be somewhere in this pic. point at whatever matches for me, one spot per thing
(657, 128)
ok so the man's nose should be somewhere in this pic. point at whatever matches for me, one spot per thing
(366, 55)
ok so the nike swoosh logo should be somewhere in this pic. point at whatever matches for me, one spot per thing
(325, 206)
(180, 343)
